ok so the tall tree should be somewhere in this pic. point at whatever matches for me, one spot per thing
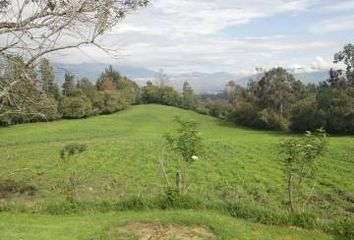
(189, 97)
(49, 84)
(69, 84)
(278, 90)
(35, 28)
(346, 56)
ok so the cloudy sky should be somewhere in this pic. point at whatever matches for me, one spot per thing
(229, 35)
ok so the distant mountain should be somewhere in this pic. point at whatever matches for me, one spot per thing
(201, 82)
(94, 70)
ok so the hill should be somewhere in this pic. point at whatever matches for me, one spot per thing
(239, 165)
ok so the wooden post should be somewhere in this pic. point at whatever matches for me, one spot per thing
(179, 182)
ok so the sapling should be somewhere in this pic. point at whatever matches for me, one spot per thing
(300, 154)
(187, 143)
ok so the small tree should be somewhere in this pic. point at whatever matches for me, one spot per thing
(187, 143)
(66, 154)
(299, 160)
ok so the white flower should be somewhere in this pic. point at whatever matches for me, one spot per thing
(195, 158)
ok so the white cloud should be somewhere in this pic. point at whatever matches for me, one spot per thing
(334, 25)
(184, 35)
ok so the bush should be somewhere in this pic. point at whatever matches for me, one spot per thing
(75, 107)
(174, 200)
(257, 215)
(304, 220)
(107, 102)
(344, 229)
(71, 149)
(269, 120)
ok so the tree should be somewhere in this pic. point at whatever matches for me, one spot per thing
(189, 98)
(75, 107)
(49, 84)
(187, 143)
(108, 79)
(150, 93)
(24, 102)
(346, 56)
(87, 88)
(33, 29)
(278, 90)
(299, 162)
(106, 102)
(69, 84)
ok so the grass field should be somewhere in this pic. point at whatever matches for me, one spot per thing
(239, 164)
(97, 227)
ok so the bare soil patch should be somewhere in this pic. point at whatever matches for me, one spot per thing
(158, 231)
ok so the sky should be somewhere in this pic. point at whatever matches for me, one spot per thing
(236, 36)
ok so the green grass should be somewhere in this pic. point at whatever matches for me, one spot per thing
(96, 227)
(239, 164)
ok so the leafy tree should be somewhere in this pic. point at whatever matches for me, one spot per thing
(299, 162)
(307, 116)
(69, 84)
(150, 93)
(187, 143)
(106, 102)
(277, 91)
(346, 56)
(87, 88)
(75, 107)
(49, 84)
(189, 98)
(220, 109)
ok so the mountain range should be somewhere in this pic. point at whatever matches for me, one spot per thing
(201, 82)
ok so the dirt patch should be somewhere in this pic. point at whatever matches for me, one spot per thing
(8, 187)
(158, 231)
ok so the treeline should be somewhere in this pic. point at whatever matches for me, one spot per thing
(280, 102)
(45, 100)
(276, 102)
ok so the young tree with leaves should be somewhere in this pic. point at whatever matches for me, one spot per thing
(300, 155)
(188, 144)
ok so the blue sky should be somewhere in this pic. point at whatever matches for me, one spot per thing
(230, 35)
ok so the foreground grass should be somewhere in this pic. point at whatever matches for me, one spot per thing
(95, 227)
(239, 164)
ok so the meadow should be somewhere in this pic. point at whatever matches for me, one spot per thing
(238, 165)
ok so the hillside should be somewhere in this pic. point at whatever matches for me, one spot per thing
(239, 165)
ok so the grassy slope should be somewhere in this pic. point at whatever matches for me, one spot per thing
(239, 163)
(28, 227)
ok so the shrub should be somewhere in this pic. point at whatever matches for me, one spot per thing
(304, 220)
(71, 149)
(173, 200)
(344, 229)
(239, 210)
(75, 107)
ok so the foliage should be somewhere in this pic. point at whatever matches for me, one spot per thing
(72, 149)
(188, 140)
(69, 84)
(299, 161)
(106, 102)
(161, 94)
(75, 107)
(189, 98)
(343, 229)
